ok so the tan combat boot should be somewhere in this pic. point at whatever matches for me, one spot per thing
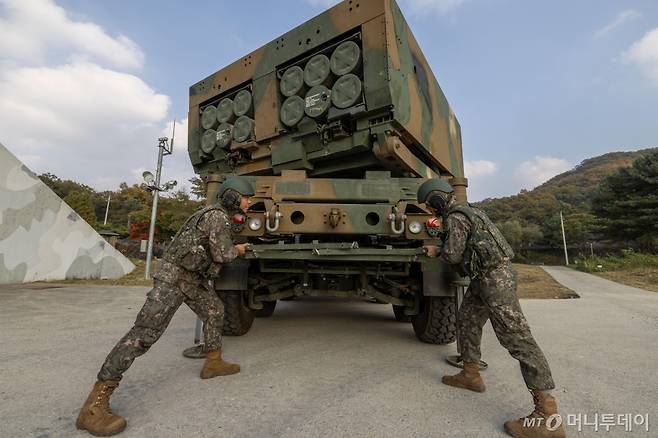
(96, 417)
(215, 366)
(543, 422)
(468, 378)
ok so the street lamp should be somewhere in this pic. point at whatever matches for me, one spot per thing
(153, 185)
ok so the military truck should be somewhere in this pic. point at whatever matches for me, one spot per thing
(335, 123)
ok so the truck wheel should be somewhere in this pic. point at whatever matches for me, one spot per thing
(267, 310)
(398, 311)
(238, 318)
(436, 322)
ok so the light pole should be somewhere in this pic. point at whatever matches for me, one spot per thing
(564, 239)
(153, 184)
(107, 209)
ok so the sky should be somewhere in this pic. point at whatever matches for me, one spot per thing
(87, 87)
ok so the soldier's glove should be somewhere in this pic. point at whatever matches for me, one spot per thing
(213, 270)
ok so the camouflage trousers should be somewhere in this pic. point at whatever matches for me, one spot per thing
(161, 304)
(494, 297)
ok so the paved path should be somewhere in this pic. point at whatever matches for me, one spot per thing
(318, 367)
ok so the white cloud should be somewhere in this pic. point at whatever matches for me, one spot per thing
(81, 120)
(441, 7)
(539, 170)
(478, 168)
(31, 29)
(622, 18)
(180, 139)
(479, 174)
(644, 53)
(178, 165)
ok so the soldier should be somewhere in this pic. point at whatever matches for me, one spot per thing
(476, 246)
(185, 274)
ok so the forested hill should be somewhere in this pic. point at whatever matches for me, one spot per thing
(532, 215)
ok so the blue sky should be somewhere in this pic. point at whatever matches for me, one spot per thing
(86, 87)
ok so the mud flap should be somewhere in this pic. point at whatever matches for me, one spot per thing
(437, 279)
(233, 276)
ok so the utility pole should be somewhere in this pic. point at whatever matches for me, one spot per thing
(164, 148)
(564, 239)
(107, 209)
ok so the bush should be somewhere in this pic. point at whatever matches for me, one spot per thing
(627, 261)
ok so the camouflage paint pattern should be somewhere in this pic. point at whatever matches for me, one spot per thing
(492, 296)
(404, 122)
(184, 275)
(363, 204)
(161, 304)
(42, 238)
(202, 245)
(346, 174)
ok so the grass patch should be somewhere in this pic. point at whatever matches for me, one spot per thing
(630, 268)
(135, 278)
(534, 282)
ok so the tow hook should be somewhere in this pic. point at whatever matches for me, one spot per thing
(397, 219)
(274, 216)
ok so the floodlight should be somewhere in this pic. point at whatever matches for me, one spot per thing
(148, 177)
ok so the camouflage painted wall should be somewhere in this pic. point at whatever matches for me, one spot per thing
(42, 238)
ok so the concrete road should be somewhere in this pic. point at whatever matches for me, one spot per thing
(322, 368)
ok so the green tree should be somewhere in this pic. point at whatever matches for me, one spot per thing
(81, 201)
(512, 231)
(531, 235)
(580, 227)
(627, 202)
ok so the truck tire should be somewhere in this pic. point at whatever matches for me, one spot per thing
(398, 311)
(238, 318)
(267, 310)
(436, 322)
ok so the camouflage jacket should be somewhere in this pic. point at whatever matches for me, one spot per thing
(200, 247)
(473, 242)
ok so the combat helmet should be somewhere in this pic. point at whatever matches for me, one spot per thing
(433, 185)
(237, 184)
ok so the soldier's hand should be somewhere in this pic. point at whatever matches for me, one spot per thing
(431, 250)
(241, 248)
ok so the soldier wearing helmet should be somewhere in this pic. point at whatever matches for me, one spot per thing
(184, 275)
(476, 246)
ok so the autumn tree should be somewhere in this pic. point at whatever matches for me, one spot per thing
(81, 201)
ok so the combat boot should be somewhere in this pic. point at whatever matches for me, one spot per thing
(215, 366)
(468, 378)
(543, 422)
(96, 417)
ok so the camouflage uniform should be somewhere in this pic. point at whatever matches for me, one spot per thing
(491, 295)
(183, 276)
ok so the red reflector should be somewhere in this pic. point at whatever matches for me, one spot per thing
(238, 219)
(433, 223)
